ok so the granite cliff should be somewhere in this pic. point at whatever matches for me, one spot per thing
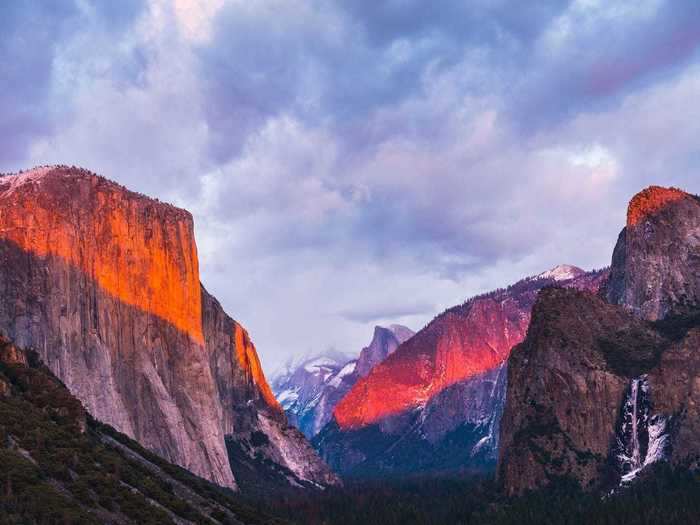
(604, 386)
(103, 284)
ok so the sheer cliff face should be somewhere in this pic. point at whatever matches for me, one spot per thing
(656, 264)
(435, 403)
(264, 450)
(599, 391)
(563, 399)
(463, 341)
(570, 388)
(103, 283)
(234, 365)
(384, 342)
(136, 250)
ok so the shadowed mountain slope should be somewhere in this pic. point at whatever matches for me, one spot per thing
(104, 284)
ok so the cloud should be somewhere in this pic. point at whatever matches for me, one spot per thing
(30, 36)
(596, 53)
(374, 313)
(359, 162)
(195, 18)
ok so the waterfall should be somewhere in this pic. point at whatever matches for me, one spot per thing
(642, 438)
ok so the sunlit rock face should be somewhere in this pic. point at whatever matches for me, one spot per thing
(435, 403)
(104, 284)
(656, 263)
(601, 389)
(138, 250)
(461, 342)
(265, 452)
(310, 390)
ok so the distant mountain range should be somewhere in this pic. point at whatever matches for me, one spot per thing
(310, 390)
(600, 385)
(434, 405)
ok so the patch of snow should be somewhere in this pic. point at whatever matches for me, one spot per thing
(658, 440)
(345, 371)
(314, 401)
(288, 397)
(563, 272)
(480, 444)
(26, 177)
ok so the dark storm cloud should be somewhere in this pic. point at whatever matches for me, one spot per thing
(372, 158)
(483, 22)
(603, 58)
(342, 65)
(251, 72)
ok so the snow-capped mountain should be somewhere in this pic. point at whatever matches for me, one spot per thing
(562, 272)
(309, 391)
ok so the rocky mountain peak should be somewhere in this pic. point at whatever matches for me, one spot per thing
(562, 272)
(599, 390)
(436, 402)
(138, 249)
(401, 332)
(462, 342)
(310, 390)
(103, 283)
(655, 265)
(649, 201)
(384, 342)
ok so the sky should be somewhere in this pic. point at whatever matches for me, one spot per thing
(362, 162)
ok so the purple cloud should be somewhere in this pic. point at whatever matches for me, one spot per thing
(340, 155)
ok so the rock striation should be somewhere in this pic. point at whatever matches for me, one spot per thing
(104, 284)
(604, 386)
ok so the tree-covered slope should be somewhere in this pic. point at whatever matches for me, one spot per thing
(59, 465)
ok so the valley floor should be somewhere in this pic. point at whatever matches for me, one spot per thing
(664, 496)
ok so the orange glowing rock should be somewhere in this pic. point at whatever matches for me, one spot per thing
(650, 201)
(248, 359)
(137, 249)
(104, 284)
(455, 346)
(460, 343)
